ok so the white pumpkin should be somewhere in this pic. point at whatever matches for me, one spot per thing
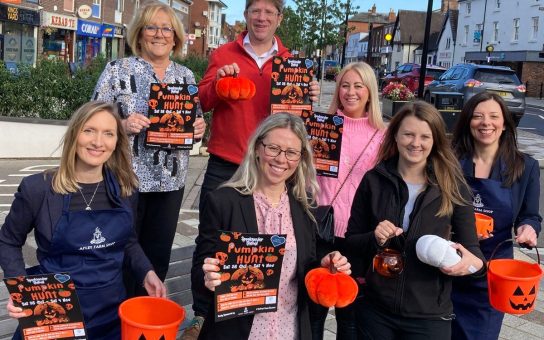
(436, 251)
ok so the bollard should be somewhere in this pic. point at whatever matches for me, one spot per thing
(540, 95)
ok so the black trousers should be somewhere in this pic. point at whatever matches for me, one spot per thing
(374, 324)
(218, 172)
(156, 222)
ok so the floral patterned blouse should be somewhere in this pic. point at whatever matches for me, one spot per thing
(127, 82)
(282, 324)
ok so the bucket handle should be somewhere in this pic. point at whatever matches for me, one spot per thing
(512, 240)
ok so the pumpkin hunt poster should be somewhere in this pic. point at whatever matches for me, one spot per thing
(325, 136)
(250, 267)
(51, 305)
(172, 112)
(290, 91)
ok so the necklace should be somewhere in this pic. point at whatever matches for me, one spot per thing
(91, 201)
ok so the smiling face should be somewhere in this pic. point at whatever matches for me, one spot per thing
(274, 171)
(414, 142)
(96, 142)
(487, 124)
(156, 47)
(262, 19)
(353, 95)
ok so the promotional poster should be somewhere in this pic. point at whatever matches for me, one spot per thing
(325, 135)
(51, 305)
(172, 112)
(250, 273)
(291, 79)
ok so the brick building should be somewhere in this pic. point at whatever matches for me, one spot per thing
(205, 22)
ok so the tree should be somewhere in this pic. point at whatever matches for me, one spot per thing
(290, 28)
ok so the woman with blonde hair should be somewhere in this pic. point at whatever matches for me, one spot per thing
(416, 189)
(154, 35)
(82, 220)
(355, 99)
(270, 193)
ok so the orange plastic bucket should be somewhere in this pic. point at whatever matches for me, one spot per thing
(513, 284)
(150, 317)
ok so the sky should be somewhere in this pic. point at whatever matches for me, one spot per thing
(236, 7)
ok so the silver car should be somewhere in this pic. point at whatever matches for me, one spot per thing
(469, 79)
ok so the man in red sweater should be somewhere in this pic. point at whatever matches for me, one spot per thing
(233, 122)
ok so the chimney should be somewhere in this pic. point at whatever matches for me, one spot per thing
(449, 4)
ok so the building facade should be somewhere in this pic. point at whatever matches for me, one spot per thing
(205, 25)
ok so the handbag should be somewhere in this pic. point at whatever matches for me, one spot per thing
(324, 214)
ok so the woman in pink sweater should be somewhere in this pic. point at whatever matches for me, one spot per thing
(355, 99)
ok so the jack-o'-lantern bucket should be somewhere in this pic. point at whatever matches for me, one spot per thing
(150, 318)
(513, 284)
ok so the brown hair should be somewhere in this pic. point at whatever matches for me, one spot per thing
(64, 178)
(277, 3)
(442, 169)
(463, 141)
(144, 15)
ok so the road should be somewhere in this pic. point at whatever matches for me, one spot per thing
(533, 120)
(12, 171)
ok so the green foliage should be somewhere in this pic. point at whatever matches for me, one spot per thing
(48, 90)
(195, 63)
(290, 30)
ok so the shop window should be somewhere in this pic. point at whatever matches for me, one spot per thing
(97, 4)
(19, 44)
(120, 5)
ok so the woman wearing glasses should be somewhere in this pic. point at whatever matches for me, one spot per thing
(154, 34)
(416, 189)
(271, 192)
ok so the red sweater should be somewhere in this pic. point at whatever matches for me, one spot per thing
(233, 122)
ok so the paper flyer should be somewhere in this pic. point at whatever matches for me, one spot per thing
(172, 112)
(290, 89)
(250, 273)
(325, 135)
(51, 304)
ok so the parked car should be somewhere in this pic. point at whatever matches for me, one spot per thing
(408, 74)
(470, 79)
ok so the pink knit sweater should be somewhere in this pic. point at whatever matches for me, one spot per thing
(357, 133)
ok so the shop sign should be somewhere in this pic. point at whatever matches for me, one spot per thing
(118, 32)
(84, 11)
(15, 2)
(89, 28)
(19, 15)
(59, 21)
(107, 31)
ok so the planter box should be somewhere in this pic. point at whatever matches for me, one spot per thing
(390, 107)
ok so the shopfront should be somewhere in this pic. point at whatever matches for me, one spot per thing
(58, 36)
(88, 41)
(18, 35)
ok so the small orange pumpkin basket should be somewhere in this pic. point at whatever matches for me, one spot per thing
(513, 284)
(147, 317)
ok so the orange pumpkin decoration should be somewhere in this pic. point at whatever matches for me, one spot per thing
(188, 105)
(224, 237)
(235, 88)
(64, 293)
(225, 277)
(328, 287)
(11, 282)
(154, 119)
(222, 257)
(276, 91)
(271, 258)
(305, 79)
(155, 88)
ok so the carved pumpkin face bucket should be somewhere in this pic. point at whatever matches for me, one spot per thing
(513, 284)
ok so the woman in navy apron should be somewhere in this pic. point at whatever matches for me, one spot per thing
(505, 185)
(82, 220)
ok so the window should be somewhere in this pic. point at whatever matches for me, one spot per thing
(457, 73)
(448, 43)
(120, 5)
(534, 33)
(96, 8)
(496, 31)
(465, 39)
(516, 30)
(69, 5)
(477, 34)
(497, 4)
(469, 7)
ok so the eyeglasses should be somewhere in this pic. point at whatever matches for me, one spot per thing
(272, 150)
(255, 13)
(152, 30)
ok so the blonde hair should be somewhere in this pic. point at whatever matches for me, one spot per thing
(303, 180)
(144, 16)
(64, 178)
(369, 80)
(443, 168)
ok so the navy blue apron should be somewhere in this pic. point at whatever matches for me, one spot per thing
(90, 245)
(474, 316)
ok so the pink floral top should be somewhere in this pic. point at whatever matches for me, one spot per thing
(281, 324)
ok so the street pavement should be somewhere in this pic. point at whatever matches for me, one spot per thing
(526, 327)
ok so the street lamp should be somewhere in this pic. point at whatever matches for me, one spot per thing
(423, 69)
